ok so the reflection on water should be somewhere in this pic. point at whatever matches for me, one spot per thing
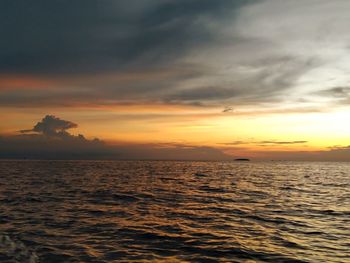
(105, 211)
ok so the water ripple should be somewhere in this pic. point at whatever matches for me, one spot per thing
(120, 211)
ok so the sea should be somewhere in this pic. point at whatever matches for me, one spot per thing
(172, 211)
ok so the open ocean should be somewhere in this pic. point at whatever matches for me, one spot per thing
(159, 211)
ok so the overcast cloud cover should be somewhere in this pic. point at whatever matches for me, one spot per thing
(197, 52)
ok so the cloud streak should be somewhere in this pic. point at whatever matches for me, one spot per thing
(265, 143)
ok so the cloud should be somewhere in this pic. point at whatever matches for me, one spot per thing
(227, 109)
(52, 126)
(235, 143)
(118, 38)
(263, 54)
(336, 96)
(335, 92)
(50, 139)
(263, 143)
(274, 53)
(255, 82)
(92, 36)
(339, 148)
(282, 142)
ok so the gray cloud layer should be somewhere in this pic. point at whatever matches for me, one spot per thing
(89, 35)
(214, 53)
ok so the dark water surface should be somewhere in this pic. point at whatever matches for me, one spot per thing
(127, 211)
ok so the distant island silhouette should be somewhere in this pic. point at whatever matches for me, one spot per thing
(242, 160)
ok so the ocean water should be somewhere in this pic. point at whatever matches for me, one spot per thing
(140, 211)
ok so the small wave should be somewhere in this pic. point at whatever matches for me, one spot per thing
(200, 174)
(15, 251)
(212, 189)
(163, 212)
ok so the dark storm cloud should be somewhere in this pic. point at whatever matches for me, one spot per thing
(97, 35)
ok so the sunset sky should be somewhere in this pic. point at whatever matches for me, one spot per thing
(175, 79)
